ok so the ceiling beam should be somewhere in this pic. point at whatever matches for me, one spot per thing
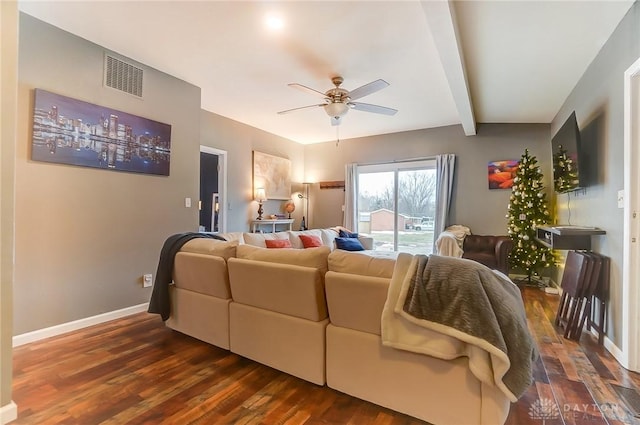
(444, 29)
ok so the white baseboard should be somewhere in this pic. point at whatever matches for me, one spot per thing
(610, 347)
(8, 413)
(63, 328)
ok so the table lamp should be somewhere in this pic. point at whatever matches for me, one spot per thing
(261, 196)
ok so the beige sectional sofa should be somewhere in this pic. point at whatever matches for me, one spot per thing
(278, 315)
(315, 314)
(437, 391)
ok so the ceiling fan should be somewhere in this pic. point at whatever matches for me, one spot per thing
(338, 101)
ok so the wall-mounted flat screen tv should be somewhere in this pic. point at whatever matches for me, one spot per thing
(565, 145)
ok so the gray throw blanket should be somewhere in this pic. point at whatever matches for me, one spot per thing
(474, 305)
(160, 302)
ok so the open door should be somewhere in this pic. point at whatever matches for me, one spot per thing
(213, 186)
(631, 268)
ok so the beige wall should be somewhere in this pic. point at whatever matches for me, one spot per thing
(474, 205)
(240, 140)
(85, 236)
(8, 81)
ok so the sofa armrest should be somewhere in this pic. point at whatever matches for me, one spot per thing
(503, 248)
(366, 241)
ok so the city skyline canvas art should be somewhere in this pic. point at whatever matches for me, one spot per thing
(74, 132)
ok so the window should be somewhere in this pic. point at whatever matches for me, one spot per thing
(396, 205)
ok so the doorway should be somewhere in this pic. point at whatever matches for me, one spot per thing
(631, 256)
(213, 188)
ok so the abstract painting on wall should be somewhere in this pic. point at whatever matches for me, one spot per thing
(273, 174)
(70, 131)
(501, 173)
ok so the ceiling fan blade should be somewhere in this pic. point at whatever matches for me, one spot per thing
(336, 121)
(367, 107)
(302, 107)
(367, 89)
(307, 89)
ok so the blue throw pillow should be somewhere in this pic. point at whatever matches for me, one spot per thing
(349, 244)
(347, 234)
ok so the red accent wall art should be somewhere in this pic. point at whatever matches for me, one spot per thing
(501, 173)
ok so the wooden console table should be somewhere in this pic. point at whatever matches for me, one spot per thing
(257, 224)
(568, 237)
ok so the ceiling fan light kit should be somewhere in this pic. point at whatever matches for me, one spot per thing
(338, 101)
(336, 109)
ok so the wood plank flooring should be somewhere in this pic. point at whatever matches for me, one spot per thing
(136, 371)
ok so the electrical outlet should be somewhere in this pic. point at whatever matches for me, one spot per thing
(147, 280)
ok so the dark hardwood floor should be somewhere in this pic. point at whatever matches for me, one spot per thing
(137, 371)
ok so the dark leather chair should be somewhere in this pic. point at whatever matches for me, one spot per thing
(492, 251)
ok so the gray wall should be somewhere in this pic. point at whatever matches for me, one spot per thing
(107, 227)
(240, 140)
(474, 205)
(84, 236)
(598, 102)
(8, 84)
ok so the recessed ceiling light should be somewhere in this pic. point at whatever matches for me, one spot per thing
(274, 22)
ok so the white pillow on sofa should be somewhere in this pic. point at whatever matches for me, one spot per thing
(329, 236)
(294, 237)
(312, 257)
(257, 239)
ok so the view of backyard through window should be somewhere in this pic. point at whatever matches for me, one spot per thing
(396, 206)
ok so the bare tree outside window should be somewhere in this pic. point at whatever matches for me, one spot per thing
(416, 194)
(408, 225)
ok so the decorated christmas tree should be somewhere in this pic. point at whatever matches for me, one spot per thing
(528, 210)
(565, 171)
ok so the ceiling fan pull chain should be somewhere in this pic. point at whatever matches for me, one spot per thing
(337, 135)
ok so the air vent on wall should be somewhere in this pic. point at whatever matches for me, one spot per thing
(122, 76)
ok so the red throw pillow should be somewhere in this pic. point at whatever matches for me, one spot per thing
(310, 241)
(277, 243)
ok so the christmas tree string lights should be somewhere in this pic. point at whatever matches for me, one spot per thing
(527, 211)
(565, 171)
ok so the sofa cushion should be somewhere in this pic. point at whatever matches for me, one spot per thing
(211, 247)
(356, 301)
(310, 241)
(283, 288)
(347, 234)
(349, 244)
(361, 263)
(232, 236)
(277, 243)
(316, 258)
(294, 236)
(329, 236)
(257, 239)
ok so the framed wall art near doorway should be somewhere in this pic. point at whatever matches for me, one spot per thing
(273, 173)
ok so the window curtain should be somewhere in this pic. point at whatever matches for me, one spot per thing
(445, 167)
(350, 220)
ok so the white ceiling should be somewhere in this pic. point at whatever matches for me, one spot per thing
(447, 63)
